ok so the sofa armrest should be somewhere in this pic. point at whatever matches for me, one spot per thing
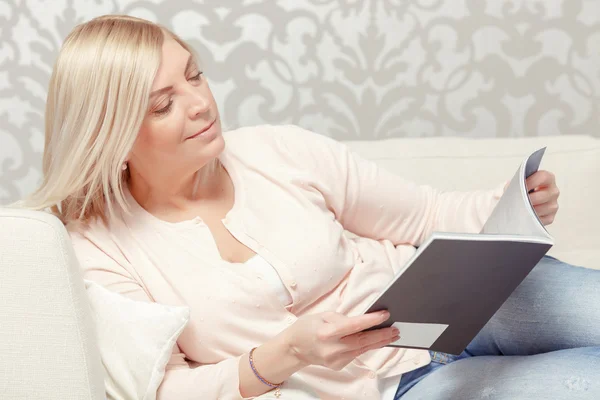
(47, 339)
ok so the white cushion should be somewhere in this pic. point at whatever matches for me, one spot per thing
(135, 339)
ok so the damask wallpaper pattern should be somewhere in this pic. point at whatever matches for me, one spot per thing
(349, 69)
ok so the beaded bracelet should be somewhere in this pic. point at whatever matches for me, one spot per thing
(276, 386)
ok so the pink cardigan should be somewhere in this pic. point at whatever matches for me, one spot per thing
(295, 194)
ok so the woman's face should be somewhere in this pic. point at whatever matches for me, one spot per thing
(182, 129)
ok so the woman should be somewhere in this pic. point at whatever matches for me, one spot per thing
(247, 229)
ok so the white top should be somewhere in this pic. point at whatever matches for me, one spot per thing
(268, 273)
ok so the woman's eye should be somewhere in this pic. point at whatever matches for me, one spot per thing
(196, 77)
(165, 109)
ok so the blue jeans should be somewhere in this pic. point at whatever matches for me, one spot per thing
(543, 343)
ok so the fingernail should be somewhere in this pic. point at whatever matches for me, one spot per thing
(385, 314)
(395, 331)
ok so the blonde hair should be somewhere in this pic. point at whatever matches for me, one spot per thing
(97, 99)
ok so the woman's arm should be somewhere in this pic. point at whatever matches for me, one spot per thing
(230, 379)
(372, 202)
(327, 339)
(275, 361)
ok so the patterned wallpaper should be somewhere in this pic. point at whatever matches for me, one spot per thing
(350, 69)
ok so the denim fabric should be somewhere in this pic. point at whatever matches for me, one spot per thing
(543, 343)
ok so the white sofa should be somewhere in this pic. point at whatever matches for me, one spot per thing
(47, 344)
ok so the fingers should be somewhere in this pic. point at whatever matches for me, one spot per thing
(544, 196)
(344, 357)
(377, 345)
(342, 326)
(540, 178)
(363, 339)
(546, 209)
(545, 203)
(546, 212)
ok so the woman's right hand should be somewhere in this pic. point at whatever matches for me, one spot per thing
(333, 340)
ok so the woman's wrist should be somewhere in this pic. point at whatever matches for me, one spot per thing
(276, 361)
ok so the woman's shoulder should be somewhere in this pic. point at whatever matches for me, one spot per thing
(93, 241)
(101, 259)
(266, 134)
(289, 141)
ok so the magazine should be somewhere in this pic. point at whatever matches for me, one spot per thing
(455, 282)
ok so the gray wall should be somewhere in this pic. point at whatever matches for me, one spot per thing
(348, 69)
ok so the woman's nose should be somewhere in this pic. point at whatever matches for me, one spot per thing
(199, 104)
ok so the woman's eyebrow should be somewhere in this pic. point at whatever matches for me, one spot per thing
(167, 88)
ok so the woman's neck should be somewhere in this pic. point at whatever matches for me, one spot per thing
(173, 195)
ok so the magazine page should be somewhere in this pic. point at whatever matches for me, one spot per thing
(514, 214)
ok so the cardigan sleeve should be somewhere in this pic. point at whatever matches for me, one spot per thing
(375, 203)
(181, 380)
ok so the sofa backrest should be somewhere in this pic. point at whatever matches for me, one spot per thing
(467, 164)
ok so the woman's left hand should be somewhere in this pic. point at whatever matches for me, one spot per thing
(545, 197)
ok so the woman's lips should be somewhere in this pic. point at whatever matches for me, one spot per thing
(203, 130)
